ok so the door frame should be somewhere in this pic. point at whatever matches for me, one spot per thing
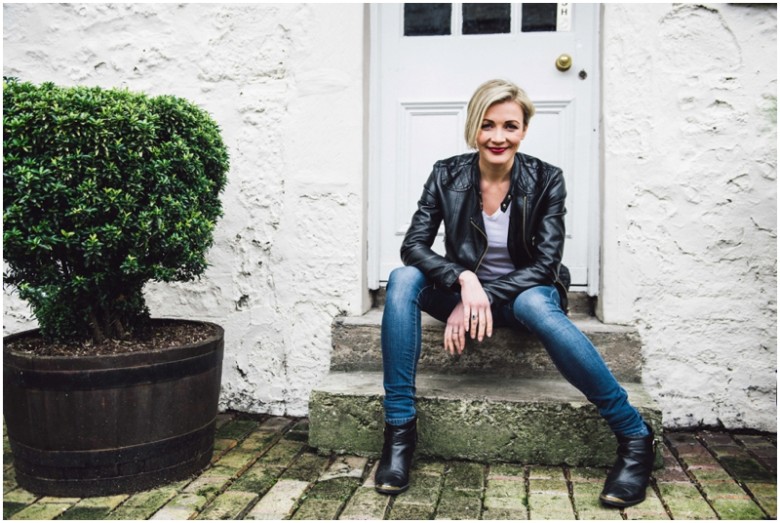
(375, 140)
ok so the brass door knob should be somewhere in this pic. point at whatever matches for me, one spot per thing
(563, 63)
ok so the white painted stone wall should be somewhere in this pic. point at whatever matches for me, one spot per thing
(689, 183)
(690, 204)
(286, 84)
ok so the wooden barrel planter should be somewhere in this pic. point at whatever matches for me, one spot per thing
(102, 425)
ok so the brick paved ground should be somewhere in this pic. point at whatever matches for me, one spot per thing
(263, 469)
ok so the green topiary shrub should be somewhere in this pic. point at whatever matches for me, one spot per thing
(104, 190)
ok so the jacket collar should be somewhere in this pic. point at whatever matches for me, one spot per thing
(517, 183)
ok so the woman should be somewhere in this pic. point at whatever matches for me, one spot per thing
(503, 216)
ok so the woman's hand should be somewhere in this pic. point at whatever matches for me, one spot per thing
(477, 317)
(454, 332)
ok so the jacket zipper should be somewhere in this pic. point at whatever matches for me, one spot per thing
(525, 244)
(486, 247)
(525, 211)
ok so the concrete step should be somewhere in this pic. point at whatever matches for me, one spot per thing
(478, 418)
(509, 353)
(579, 302)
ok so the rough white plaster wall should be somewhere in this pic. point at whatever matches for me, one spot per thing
(690, 204)
(285, 83)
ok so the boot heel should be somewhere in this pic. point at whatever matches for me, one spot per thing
(392, 475)
(630, 475)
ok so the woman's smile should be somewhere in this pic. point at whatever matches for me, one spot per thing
(499, 136)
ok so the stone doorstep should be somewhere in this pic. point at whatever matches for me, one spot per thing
(477, 418)
(579, 301)
(509, 353)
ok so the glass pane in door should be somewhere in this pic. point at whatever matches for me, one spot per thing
(539, 17)
(486, 18)
(427, 19)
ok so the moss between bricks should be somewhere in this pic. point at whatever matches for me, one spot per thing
(710, 474)
(406, 511)
(552, 506)
(258, 441)
(506, 469)
(366, 503)
(188, 500)
(259, 483)
(223, 445)
(422, 490)
(10, 508)
(219, 471)
(505, 514)
(236, 429)
(325, 499)
(94, 508)
(307, 467)
(505, 488)
(144, 504)
(459, 504)
(460, 495)
(236, 460)
(318, 509)
(428, 466)
(230, 505)
(685, 502)
(587, 504)
(208, 487)
(9, 479)
(42, 511)
(737, 509)
(547, 486)
(85, 513)
(723, 488)
(281, 454)
(745, 469)
(463, 475)
(336, 489)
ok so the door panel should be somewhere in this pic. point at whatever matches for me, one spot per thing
(427, 61)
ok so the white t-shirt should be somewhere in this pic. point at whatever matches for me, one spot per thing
(496, 262)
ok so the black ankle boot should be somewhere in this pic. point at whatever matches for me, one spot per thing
(392, 476)
(629, 477)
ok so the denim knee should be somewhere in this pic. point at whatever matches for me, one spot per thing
(535, 304)
(404, 283)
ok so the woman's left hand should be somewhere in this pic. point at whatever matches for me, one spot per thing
(477, 316)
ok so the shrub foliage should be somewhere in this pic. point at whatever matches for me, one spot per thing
(104, 190)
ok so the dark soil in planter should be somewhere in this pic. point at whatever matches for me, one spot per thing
(163, 335)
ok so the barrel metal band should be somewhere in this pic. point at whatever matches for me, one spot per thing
(111, 378)
(28, 458)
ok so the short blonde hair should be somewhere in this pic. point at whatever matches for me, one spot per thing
(489, 93)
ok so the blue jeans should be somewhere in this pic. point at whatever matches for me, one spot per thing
(537, 309)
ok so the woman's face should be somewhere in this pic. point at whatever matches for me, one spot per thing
(501, 133)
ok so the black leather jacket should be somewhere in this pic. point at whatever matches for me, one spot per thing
(536, 227)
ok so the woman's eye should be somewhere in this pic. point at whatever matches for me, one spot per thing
(512, 127)
(487, 126)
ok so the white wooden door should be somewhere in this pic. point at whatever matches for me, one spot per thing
(427, 60)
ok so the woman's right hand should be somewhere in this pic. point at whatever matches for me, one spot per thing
(454, 332)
